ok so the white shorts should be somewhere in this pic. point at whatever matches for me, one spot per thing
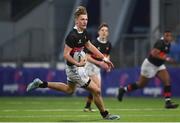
(149, 70)
(92, 69)
(77, 75)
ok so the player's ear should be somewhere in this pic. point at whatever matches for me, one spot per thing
(76, 21)
(98, 32)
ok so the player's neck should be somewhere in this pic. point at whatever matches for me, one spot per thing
(78, 29)
(102, 40)
(166, 42)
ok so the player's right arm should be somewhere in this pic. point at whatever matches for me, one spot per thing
(95, 51)
(98, 63)
(68, 57)
(156, 53)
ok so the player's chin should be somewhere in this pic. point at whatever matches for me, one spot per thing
(84, 27)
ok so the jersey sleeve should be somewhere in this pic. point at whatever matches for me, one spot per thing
(69, 41)
(158, 45)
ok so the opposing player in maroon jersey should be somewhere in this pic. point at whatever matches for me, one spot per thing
(153, 66)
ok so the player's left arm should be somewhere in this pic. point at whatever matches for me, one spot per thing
(95, 51)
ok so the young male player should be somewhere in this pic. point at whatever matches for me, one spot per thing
(153, 66)
(76, 40)
(94, 63)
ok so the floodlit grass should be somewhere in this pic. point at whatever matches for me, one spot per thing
(70, 109)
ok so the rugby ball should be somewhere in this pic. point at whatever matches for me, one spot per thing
(78, 56)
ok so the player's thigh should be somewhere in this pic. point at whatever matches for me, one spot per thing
(96, 79)
(142, 81)
(93, 72)
(71, 87)
(93, 88)
(163, 75)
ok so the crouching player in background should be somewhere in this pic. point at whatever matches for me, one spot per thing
(94, 64)
(154, 66)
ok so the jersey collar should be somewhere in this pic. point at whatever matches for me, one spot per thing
(101, 41)
(162, 38)
(80, 32)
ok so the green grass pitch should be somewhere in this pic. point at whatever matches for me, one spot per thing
(69, 109)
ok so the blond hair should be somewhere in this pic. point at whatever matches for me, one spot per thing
(81, 10)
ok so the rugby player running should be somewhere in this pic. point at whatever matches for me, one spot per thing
(153, 66)
(75, 41)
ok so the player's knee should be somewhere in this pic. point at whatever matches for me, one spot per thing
(141, 85)
(70, 91)
(97, 92)
(167, 83)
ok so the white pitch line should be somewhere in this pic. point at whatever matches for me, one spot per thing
(72, 110)
(42, 110)
(37, 116)
(59, 116)
(143, 109)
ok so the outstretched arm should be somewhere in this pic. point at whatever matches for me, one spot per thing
(95, 51)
